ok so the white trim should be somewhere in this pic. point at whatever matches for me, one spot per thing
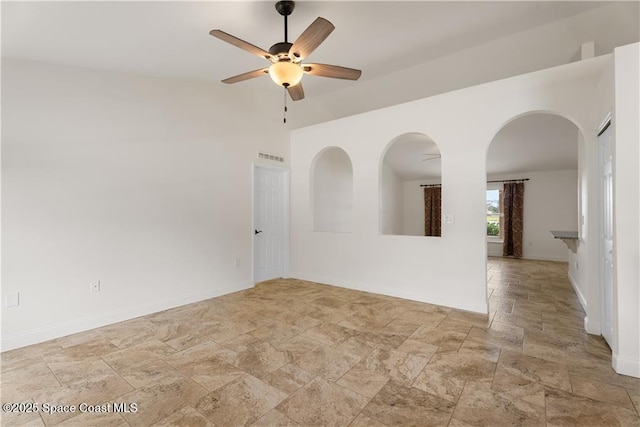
(576, 288)
(46, 333)
(285, 220)
(626, 366)
(386, 290)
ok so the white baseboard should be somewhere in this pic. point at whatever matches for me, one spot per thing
(38, 335)
(532, 257)
(383, 290)
(576, 288)
(626, 366)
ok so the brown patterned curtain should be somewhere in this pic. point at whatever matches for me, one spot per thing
(432, 211)
(513, 196)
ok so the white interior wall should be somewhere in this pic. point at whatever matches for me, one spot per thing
(391, 202)
(333, 192)
(626, 351)
(550, 203)
(127, 180)
(413, 206)
(463, 122)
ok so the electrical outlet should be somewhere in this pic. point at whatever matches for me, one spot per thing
(236, 263)
(94, 286)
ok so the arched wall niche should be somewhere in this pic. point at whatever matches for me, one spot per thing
(408, 162)
(332, 191)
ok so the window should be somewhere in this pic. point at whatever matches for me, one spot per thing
(494, 215)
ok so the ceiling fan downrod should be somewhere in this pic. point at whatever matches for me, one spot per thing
(285, 8)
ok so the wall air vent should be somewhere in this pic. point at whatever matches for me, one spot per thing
(272, 157)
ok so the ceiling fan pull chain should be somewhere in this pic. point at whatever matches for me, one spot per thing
(285, 105)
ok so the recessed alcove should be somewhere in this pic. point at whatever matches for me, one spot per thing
(410, 168)
(332, 191)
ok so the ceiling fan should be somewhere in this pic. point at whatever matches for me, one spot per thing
(287, 68)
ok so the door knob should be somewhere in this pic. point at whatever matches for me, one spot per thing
(257, 231)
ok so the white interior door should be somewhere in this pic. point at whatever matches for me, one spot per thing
(269, 203)
(605, 144)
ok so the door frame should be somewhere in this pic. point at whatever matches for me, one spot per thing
(606, 124)
(285, 216)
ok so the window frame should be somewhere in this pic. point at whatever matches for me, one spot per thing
(500, 188)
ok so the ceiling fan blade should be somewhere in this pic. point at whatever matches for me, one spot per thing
(241, 44)
(246, 76)
(296, 92)
(311, 38)
(333, 71)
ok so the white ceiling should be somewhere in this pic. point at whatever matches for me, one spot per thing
(407, 50)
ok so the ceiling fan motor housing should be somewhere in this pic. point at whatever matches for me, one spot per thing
(280, 50)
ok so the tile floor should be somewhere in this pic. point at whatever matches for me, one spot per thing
(289, 353)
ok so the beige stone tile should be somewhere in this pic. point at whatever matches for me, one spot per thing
(289, 378)
(446, 373)
(274, 418)
(80, 352)
(481, 349)
(131, 332)
(401, 327)
(473, 319)
(240, 402)
(176, 357)
(457, 423)
(500, 334)
(297, 346)
(418, 348)
(439, 384)
(23, 383)
(161, 399)
(567, 409)
(328, 334)
(91, 335)
(259, 358)
(143, 373)
(26, 356)
(327, 362)
(277, 332)
(479, 405)
(93, 419)
(365, 421)
(69, 373)
(397, 365)
(431, 318)
(363, 381)
(635, 398)
(92, 390)
(599, 370)
(518, 386)
(549, 373)
(185, 417)
(602, 392)
(20, 418)
(397, 404)
(448, 336)
(310, 405)
(527, 320)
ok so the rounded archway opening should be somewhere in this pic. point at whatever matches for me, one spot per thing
(410, 187)
(332, 191)
(532, 187)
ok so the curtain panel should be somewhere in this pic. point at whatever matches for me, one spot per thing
(513, 196)
(432, 211)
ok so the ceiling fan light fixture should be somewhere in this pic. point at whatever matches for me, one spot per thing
(286, 73)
